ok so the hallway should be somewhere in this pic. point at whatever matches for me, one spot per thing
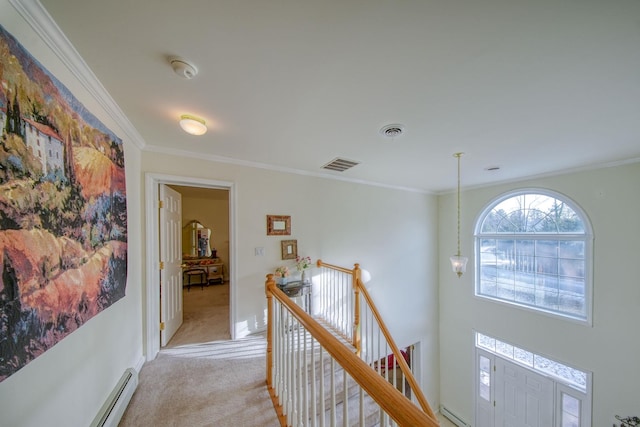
(206, 315)
(202, 378)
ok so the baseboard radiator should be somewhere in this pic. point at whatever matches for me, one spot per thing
(453, 417)
(115, 405)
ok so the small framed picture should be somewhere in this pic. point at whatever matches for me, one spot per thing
(289, 249)
(278, 225)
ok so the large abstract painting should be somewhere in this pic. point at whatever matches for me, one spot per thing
(63, 215)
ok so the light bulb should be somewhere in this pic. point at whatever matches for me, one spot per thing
(459, 264)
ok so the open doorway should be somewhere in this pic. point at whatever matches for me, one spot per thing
(205, 257)
(152, 293)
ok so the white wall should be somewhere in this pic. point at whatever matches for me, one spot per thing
(390, 233)
(610, 349)
(67, 385)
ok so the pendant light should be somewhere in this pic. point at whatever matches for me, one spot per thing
(458, 262)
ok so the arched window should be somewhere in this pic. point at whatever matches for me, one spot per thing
(533, 249)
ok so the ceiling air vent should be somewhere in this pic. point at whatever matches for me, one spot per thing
(392, 131)
(340, 165)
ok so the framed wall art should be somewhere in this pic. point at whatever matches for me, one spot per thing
(289, 249)
(63, 230)
(278, 225)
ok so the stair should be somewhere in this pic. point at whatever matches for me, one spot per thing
(371, 412)
(337, 401)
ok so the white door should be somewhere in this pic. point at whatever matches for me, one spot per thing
(523, 398)
(484, 388)
(171, 258)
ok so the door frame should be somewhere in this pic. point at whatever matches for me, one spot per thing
(560, 386)
(151, 306)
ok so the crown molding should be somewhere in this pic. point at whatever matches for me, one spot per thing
(258, 165)
(44, 25)
(587, 168)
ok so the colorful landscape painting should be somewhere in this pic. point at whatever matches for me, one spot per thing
(63, 211)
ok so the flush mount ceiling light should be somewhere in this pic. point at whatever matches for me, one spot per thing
(392, 131)
(193, 125)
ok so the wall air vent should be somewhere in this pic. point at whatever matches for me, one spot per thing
(340, 165)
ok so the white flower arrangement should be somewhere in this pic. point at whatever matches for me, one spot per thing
(303, 263)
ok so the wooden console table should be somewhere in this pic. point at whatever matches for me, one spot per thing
(205, 270)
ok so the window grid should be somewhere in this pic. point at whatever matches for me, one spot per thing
(531, 251)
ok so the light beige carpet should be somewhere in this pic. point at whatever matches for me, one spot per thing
(206, 315)
(202, 378)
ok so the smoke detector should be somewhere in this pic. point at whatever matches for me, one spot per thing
(392, 131)
(183, 68)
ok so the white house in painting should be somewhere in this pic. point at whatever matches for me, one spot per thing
(3, 119)
(45, 144)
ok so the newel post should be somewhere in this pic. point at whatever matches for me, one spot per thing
(357, 275)
(267, 287)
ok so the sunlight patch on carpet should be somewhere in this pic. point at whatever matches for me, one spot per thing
(246, 348)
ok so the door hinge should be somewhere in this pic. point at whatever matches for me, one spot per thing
(161, 265)
(162, 328)
(160, 204)
(494, 402)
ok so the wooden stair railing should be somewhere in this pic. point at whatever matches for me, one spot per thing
(288, 333)
(360, 293)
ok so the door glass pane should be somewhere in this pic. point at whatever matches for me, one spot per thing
(485, 378)
(569, 375)
(504, 349)
(523, 356)
(570, 411)
(486, 342)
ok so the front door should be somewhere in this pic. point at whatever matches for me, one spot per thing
(523, 398)
(171, 258)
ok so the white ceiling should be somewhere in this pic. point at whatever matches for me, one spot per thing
(533, 86)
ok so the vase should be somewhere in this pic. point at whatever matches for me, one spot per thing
(306, 276)
(281, 281)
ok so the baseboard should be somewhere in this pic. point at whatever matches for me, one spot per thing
(453, 417)
(139, 364)
(114, 407)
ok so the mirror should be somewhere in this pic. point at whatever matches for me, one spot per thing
(196, 240)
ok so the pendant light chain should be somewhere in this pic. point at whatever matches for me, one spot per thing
(458, 262)
(458, 155)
